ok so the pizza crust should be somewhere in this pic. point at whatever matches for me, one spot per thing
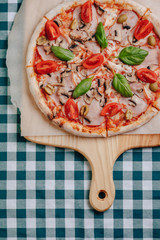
(146, 117)
(76, 128)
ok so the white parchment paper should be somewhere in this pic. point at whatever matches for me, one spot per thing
(33, 123)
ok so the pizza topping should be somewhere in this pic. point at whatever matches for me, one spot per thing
(49, 89)
(88, 99)
(111, 109)
(47, 50)
(125, 26)
(131, 77)
(66, 73)
(99, 9)
(41, 40)
(52, 30)
(132, 55)
(82, 87)
(45, 67)
(118, 67)
(146, 75)
(93, 46)
(74, 24)
(79, 35)
(151, 41)
(128, 114)
(75, 47)
(100, 82)
(122, 18)
(58, 22)
(98, 95)
(143, 29)
(71, 109)
(101, 36)
(102, 102)
(86, 12)
(153, 87)
(62, 53)
(122, 86)
(109, 17)
(93, 61)
(116, 36)
(84, 110)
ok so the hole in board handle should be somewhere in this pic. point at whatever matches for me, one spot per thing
(102, 194)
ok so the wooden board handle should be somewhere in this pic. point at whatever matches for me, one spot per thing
(102, 190)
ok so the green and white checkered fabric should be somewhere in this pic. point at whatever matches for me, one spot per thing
(44, 190)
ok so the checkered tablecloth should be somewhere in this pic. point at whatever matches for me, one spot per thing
(44, 190)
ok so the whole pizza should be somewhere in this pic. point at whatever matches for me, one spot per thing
(94, 66)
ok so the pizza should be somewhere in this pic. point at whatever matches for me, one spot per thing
(94, 66)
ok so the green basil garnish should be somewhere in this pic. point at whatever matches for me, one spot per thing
(122, 86)
(133, 55)
(82, 87)
(62, 53)
(101, 36)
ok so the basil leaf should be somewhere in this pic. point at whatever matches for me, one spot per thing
(132, 55)
(82, 87)
(101, 36)
(62, 53)
(122, 86)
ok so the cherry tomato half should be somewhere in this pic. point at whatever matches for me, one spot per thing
(71, 109)
(93, 61)
(86, 12)
(143, 29)
(52, 30)
(45, 67)
(147, 75)
(111, 109)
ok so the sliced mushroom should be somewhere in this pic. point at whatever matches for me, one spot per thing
(79, 35)
(102, 102)
(100, 10)
(98, 95)
(131, 77)
(100, 82)
(41, 41)
(75, 48)
(58, 22)
(139, 90)
(62, 91)
(58, 84)
(83, 72)
(66, 73)
(133, 40)
(133, 101)
(49, 89)
(88, 99)
(85, 26)
(63, 99)
(47, 50)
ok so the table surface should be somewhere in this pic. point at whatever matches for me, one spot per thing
(44, 190)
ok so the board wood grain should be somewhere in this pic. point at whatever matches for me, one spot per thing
(101, 154)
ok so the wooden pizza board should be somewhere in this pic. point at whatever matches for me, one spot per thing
(101, 154)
